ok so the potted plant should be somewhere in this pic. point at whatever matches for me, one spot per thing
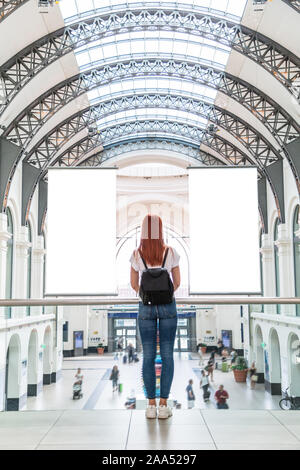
(240, 369)
(100, 348)
(203, 347)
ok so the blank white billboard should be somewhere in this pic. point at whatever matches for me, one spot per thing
(224, 241)
(81, 232)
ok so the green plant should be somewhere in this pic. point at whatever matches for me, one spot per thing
(100, 345)
(241, 364)
(202, 345)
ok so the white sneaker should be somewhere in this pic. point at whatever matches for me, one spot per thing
(151, 411)
(164, 412)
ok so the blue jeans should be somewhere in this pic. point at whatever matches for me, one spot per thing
(147, 321)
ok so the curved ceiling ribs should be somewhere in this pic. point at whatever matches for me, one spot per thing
(294, 4)
(278, 122)
(152, 131)
(9, 6)
(263, 153)
(44, 153)
(80, 153)
(281, 63)
(30, 120)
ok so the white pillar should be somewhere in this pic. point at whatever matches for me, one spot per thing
(37, 275)
(268, 270)
(284, 245)
(4, 237)
(20, 292)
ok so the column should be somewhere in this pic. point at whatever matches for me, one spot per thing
(4, 237)
(37, 275)
(20, 291)
(268, 270)
(284, 245)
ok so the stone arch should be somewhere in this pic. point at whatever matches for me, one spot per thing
(13, 207)
(13, 374)
(293, 367)
(33, 225)
(274, 384)
(47, 355)
(32, 364)
(293, 203)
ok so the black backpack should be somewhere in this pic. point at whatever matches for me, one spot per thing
(156, 285)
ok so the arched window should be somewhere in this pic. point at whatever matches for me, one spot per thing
(296, 240)
(9, 262)
(29, 261)
(276, 259)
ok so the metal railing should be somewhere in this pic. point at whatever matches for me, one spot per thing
(211, 300)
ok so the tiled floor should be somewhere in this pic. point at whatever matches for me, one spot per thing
(128, 430)
(97, 389)
(53, 420)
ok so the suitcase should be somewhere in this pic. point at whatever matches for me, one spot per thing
(225, 367)
(120, 388)
(124, 359)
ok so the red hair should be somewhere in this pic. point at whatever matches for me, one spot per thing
(152, 244)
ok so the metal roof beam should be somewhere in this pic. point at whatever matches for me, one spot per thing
(9, 6)
(44, 151)
(277, 121)
(273, 57)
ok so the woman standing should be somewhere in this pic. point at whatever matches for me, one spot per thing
(154, 252)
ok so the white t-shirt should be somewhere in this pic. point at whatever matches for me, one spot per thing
(172, 260)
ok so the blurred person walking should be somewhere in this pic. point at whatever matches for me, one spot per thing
(190, 395)
(204, 384)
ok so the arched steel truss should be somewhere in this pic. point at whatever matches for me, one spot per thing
(80, 152)
(262, 152)
(30, 120)
(294, 4)
(280, 62)
(9, 6)
(188, 150)
(44, 154)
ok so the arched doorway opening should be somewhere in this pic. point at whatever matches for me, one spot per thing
(294, 366)
(12, 375)
(274, 384)
(47, 356)
(32, 366)
(259, 354)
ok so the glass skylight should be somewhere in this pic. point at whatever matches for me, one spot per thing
(86, 8)
(152, 85)
(152, 44)
(152, 114)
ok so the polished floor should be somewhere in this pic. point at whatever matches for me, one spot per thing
(129, 430)
(99, 420)
(97, 388)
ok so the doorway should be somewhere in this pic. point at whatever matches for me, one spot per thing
(124, 328)
(183, 335)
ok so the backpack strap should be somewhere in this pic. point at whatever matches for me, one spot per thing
(165, 257)
(143, 259)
